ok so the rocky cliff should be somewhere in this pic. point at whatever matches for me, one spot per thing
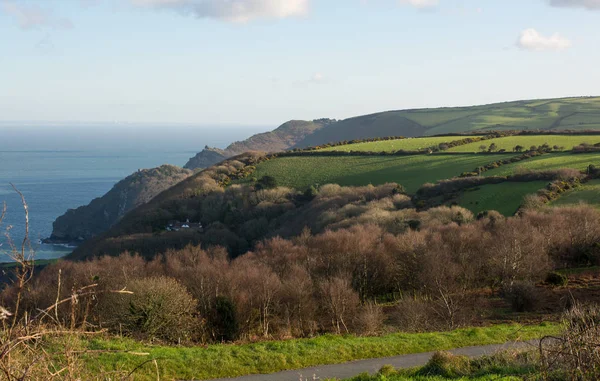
(85, 222)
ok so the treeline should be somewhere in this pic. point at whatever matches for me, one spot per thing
(318, 283)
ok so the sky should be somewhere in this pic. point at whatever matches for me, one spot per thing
(263, 62)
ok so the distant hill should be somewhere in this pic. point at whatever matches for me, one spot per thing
(282, 138)
(581, 113)
(99, 215)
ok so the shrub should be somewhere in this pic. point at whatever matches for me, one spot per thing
(225, 324)
(523, 297)
(445, 364)
(370, 319)
(556, 279)
(575, 355)
(160, 308)
(266, 182)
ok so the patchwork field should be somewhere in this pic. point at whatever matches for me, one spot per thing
(588, 193)
(409, 171)
(548, 162)
(504, 198)
(412, 144)
(565, 142)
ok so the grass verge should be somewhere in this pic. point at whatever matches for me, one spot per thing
(215, 361)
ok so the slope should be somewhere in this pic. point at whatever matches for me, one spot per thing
(279, 139)
(581, 113)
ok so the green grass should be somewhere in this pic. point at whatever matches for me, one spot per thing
(216, 361)
(504, 197)
(412, 144)
(549, 162)
(509, 142)
(409, 171)
(589, 193)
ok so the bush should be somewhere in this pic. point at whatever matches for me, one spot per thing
(523, 297)
(370, 319)
(160, 308)
(225, 322)
(445, 364)
(266, 182)
(556, 279)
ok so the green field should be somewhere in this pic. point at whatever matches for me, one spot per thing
(509, 142)
(588, 193)
(550, 114)
(548, 162)
(219, 360)
(555, 114)
(504, 197)
(412, 144)
(409, 171)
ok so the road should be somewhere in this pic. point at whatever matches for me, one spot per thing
(354, 368)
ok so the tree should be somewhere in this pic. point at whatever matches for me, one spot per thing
(225, 322)
(518, 148)
(483, 148)
(493, 147)
(266, 182)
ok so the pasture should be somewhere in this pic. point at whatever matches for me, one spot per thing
(410, 144)
(504, 197)
(589, 193)
(548, 162)
(300, 172)
(564, 142)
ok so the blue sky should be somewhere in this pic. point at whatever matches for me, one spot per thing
(262, 62)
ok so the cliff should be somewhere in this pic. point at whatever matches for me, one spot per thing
(85, 222)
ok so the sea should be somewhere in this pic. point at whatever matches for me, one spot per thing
(59, 173)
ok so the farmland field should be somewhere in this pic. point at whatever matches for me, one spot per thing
(409, 171)
(509, 142)
(504, 197)
(412, 144)
(588, 193)
(548, 162)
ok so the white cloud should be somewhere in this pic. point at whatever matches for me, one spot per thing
(32, 17)
(237, 11)
(588, 4)
(533, 40)
(421, 3)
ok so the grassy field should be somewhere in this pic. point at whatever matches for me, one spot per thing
(588, 193)
(550, 114)
(216, 361)
(504, 197)
(412, 144)
(547, 162)
(509, 142)
(410, 171)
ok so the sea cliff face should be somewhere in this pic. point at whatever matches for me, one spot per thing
(85, 222)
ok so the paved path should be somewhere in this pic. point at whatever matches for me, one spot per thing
(354, 368)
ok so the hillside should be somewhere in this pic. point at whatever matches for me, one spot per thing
(99, 215)
(552, 114)
(238, 209)
(282, 138)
